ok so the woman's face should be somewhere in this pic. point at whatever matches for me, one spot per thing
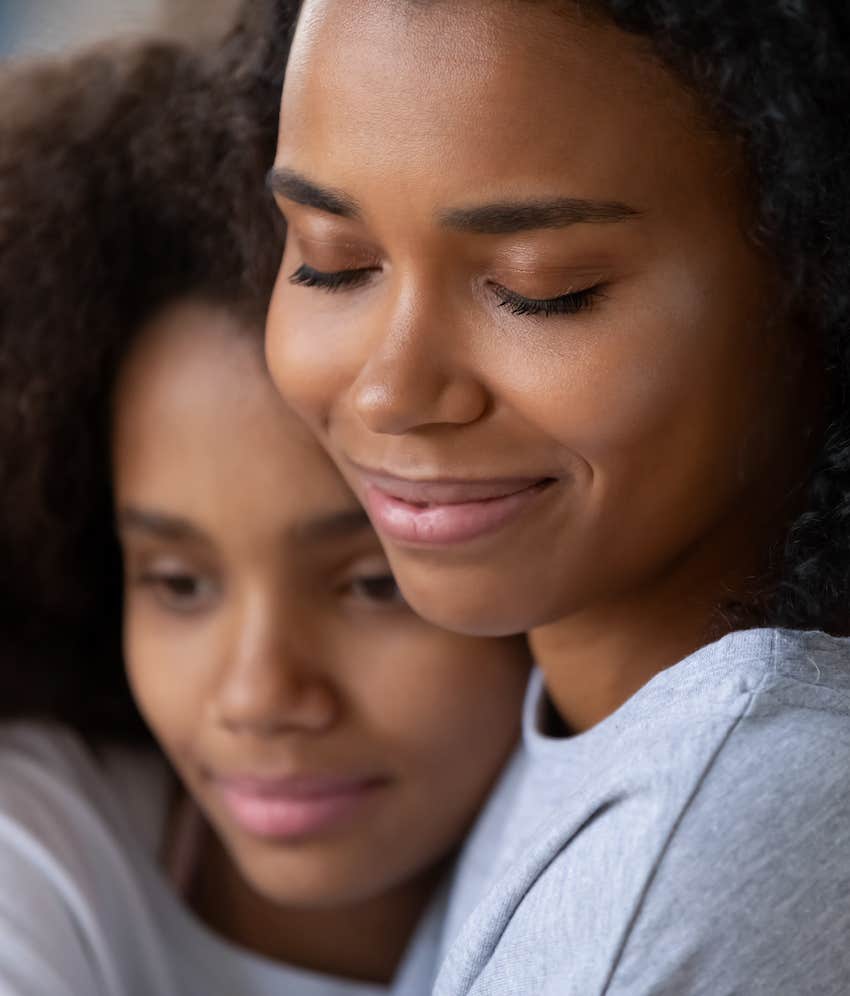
(519, 307)
(338, 745)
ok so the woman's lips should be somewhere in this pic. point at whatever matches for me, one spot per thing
(442, 513)
(292, 808)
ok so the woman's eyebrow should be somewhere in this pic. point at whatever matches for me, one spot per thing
(297, 188)
(132, 518)
(499, 218)
(507, 217)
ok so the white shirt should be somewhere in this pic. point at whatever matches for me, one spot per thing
(85, 909)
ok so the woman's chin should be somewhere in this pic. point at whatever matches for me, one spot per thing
(470, 601)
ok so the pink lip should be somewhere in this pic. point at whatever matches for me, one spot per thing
(442, 513)
(292, 808)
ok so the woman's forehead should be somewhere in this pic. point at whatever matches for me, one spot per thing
(484, 112)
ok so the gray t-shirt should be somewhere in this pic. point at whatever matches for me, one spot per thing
(696, 841)
(85, 909)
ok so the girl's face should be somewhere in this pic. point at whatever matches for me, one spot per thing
(519, 307)
(338, 745)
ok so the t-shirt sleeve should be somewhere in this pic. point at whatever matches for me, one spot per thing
(42, 950)
(752, 893)
(51, 937)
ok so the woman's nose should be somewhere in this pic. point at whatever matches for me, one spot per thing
(411, 381)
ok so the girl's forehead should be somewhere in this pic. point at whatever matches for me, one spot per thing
(200, 430)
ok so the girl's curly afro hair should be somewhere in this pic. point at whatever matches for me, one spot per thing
(128, 177)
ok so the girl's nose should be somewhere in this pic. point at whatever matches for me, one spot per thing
(273, 682)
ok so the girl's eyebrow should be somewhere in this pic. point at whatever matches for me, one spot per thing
(335, 525)
(132, 518)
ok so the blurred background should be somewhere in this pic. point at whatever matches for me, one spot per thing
(32, 27)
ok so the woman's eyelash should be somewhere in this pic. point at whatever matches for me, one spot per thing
(564, 304)
(306, 276)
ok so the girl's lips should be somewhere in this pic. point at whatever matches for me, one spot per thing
(291, 809)
(446, 513)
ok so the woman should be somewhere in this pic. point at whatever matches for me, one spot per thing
(564, 295)
(274, 801)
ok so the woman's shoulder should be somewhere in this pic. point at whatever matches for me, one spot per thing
(760, 851)
(812, 666)
(771, 796)
(785, 745)
(796, 726)
(766, 683)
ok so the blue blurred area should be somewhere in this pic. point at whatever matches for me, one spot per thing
(23, 30)
(31, 27)
(10, 22)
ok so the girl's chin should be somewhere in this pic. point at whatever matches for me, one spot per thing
(303, 885)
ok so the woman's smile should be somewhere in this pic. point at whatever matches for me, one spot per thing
(446, 512)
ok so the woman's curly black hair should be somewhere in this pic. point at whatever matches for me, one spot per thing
(776, 74)
(128, 177)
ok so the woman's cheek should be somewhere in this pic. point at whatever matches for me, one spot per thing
(309, 356)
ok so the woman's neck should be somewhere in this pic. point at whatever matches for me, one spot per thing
(592, 665)
(365, 941)
(595, 659)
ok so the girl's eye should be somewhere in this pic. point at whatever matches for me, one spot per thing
(180, 591)
(380, 588)
(306, 276)
(564, 304)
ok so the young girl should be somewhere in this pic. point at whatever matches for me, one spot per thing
(565, 296)
(323, 751)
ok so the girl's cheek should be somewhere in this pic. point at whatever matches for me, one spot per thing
(164, 689)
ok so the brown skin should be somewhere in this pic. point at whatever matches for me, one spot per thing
(666, 411)
(264, 635)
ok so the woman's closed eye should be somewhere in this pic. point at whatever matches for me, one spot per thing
(307, 276)
(570, 303)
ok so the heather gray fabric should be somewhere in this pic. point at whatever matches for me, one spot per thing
(697, 841)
